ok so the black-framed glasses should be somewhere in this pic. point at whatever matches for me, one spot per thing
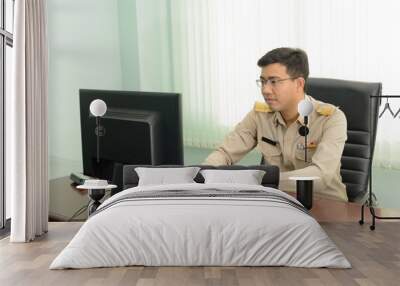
(273, 81)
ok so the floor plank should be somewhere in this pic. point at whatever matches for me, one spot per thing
(375, 257)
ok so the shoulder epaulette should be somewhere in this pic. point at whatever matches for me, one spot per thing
(262, 107)
(326, 109)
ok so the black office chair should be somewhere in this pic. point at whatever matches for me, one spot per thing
(361, 112)
(354, 100)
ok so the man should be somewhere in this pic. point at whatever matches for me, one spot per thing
(273, 127)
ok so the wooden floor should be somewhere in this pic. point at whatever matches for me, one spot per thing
(374, 255)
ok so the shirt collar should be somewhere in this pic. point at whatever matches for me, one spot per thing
(278, 119)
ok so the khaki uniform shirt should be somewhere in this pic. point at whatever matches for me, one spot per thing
(283, 146)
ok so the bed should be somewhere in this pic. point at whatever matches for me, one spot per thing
(201, 224)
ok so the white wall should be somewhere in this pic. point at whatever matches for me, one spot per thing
(84, 52)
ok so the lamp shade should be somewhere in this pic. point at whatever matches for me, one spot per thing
(98, 107)
(305, 107)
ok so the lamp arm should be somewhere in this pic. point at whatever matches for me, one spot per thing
(305, 148)
(98, 138)
(305, 139)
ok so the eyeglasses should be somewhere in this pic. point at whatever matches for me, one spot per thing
(273, 81)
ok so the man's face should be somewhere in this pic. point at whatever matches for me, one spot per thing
(279, 95)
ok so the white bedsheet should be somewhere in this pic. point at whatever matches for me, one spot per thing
(200, 231)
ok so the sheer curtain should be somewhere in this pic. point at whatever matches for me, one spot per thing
(216, 44)
(26, 124)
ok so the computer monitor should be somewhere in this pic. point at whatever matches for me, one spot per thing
(143, 128)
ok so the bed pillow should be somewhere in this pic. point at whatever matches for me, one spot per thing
(248, 177)
(165, 176)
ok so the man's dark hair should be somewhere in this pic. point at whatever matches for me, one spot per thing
(295, 61)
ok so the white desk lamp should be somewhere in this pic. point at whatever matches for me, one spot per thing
(304, 185)
(98, 108)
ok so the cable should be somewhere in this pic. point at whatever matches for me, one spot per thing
(78, 212)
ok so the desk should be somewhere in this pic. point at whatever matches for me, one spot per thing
(326, 210)
(65, 200)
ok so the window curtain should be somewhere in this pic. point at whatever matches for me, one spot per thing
(26, 124)
(216, 45)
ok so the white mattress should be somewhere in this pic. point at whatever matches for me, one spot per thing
(200, 231)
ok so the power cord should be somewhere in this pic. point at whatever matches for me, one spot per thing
(79, 212)
(85, 207)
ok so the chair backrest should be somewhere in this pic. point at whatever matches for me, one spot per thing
(361, 112)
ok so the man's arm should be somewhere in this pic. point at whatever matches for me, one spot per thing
(236, 144)
(327, 156)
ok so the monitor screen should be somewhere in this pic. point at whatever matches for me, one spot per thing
(138, 128)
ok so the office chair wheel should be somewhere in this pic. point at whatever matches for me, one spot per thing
(372, 227)
(361, 222)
